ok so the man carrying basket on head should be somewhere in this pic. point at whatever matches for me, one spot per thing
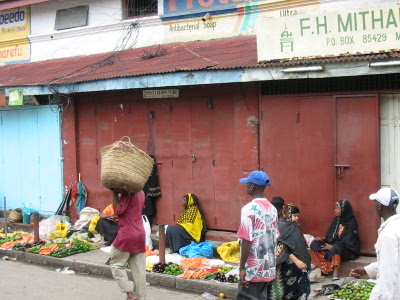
(125, 170)
(129, 245)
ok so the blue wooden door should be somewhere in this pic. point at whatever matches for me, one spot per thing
(30, 158)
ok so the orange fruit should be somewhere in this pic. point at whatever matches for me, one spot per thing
(222, 295)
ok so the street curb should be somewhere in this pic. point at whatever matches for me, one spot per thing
(168, 281)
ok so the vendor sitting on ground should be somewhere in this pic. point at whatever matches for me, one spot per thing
(190, 227)
(341, 242)
(107, 225)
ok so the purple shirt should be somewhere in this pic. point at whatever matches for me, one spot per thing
(131, 234)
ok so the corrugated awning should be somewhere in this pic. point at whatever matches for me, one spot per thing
(169, 58)
(18, 3)
(222, 54)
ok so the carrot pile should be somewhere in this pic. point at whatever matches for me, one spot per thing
(47, 250)
(201, 273)
(27, 239)
(7, 245)
(192, 263)
(149, 252)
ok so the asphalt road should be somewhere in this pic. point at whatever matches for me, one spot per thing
(25, 281)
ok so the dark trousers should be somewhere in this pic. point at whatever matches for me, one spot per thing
(254, 291)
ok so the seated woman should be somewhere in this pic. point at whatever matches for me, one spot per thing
(341, 241)
(190, 227)
(107, 225)
(293, 260)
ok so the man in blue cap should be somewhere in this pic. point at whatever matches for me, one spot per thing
(258, 232)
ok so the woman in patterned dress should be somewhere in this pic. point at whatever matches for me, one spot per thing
(292, 259)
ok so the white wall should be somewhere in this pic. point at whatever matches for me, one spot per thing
(106, 28)
(390, 141)
(101, 12)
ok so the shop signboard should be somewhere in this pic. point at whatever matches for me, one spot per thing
(369, 30)
(163, 93)
(15, 26)
(178, 9)
(16, 97)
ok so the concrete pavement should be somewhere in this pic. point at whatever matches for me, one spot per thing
(93, 263)
(19, 280)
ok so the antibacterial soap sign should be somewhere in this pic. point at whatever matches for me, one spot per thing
(364, 31)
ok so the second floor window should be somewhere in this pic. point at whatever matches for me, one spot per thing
(137, 8)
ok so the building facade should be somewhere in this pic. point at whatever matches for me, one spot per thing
(305, 90)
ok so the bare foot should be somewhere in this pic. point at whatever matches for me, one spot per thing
(131, 296)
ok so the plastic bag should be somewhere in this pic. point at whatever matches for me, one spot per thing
(66, 271)
(152, 259)
(184, 251)
(198, 250)
(147, 230)
(165, 230)
(215, 262)
(93, 224)
(309, 238)
(229, 251)
(26, 213)
(26, 210)
(60, 231)
(46, 226)
(85, 216)
(174, 258)
(208, 296)
(328, 289)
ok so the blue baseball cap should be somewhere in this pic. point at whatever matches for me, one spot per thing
(256, 177)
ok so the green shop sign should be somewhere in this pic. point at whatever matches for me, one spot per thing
(16, 97)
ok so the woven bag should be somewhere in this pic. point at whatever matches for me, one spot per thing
(124, 166)
(14, 216)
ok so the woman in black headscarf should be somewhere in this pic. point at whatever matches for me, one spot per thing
(292, 259)
(341, 242)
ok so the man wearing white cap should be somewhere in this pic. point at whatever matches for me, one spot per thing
(387, 268)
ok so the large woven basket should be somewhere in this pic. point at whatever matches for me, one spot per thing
(125, 167)
(14, 215)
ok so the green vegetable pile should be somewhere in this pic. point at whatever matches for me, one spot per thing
(35, 249)
(83, 245)
(224, 269)
(64, 252)
(80, 235)
(173, 269)
(19, 247)
(359, 290)
(221, 277)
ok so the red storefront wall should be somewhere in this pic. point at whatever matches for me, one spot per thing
(303, 138)
(203, 144)
(301, 141)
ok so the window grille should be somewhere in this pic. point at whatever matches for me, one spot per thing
(331, 85)
(137, 8)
